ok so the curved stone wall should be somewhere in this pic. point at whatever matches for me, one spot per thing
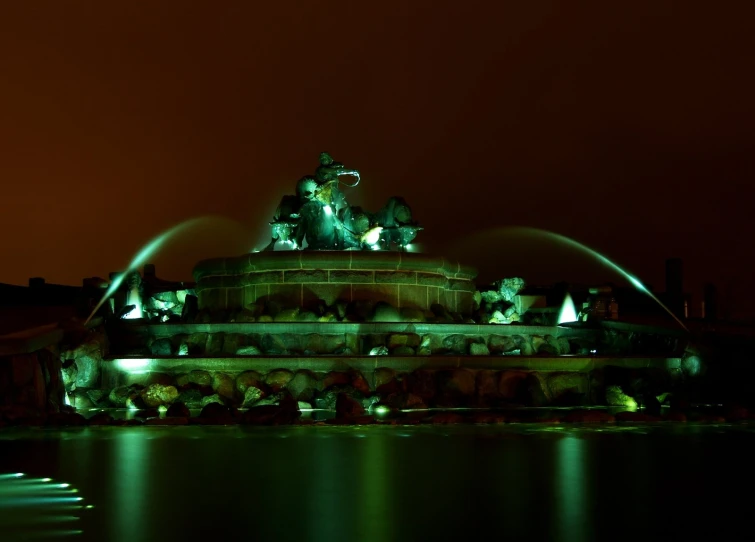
(307, 278)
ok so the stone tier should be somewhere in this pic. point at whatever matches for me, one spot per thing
(306, 279)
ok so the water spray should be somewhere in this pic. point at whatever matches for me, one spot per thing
(144, 255)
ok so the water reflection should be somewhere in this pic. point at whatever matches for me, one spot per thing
(128, 488)
(523, 482)
(570, 489)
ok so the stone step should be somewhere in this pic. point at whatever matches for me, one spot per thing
(180, 364)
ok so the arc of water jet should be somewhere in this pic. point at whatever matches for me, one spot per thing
(608, 263)
(143, 255)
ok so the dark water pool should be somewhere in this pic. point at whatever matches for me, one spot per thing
(363, 484)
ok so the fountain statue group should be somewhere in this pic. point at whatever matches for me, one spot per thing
(318, 217)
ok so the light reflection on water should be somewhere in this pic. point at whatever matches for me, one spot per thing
(376, 483)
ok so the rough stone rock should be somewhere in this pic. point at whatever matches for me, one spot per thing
(439, 311)
(197, 343)
(233, 342)
(385, 312)
(400, 351)
(379, 351)
(326, 399)
(328, 317)
(190, 308)
(200, 378)
(178, 410)
(348, 407)
(80, 400)
(88, 357)
(307, 316)
(522, 388)
(214, 346)
(70, 374)
(250, 350)
(122, 396)
(224, 385)
(478, 349)
(425, 346)
(409, 314)
(616, 397)
(403, 339)
(246, 316)
(278, 378)
(566, 389)
(486, 383)
(359, 382)
(508, 288)
(456, 344)
(97, 396)
(422, 384)
(386, 381)
(525, 345)
(153, 378)
(265, 319)
(252, 395)
(182, 381)
(287, 315)
(161, 347)
(249, 379)
(210, 399)
(273, 345)
(455, 386)
(155, 395)
(335, 378)
(540, 345)
(501, 344)
(183, 349)
(303, 385)
(191, 398)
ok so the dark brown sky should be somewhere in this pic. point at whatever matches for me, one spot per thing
(627, 127)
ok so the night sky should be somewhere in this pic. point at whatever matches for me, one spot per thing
(628, 127)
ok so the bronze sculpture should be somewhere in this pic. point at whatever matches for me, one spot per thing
(320, 216)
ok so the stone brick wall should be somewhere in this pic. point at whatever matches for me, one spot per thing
(302, 279)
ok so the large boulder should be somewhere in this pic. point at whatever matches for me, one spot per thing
(155, 395)
(522, 388)
(214, 346)
(455, 387)
(161, 347)
(249, 379)
(303, 385)
(347, 407)
(200, 378)
(278, 379)
(422, 384)
(385, 312)
(568, 389)
(501, 344)
(88, 358)
(456, 344)
(224, 385)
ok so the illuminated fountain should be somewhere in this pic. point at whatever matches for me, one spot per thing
(568, 312)
(336, 305)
